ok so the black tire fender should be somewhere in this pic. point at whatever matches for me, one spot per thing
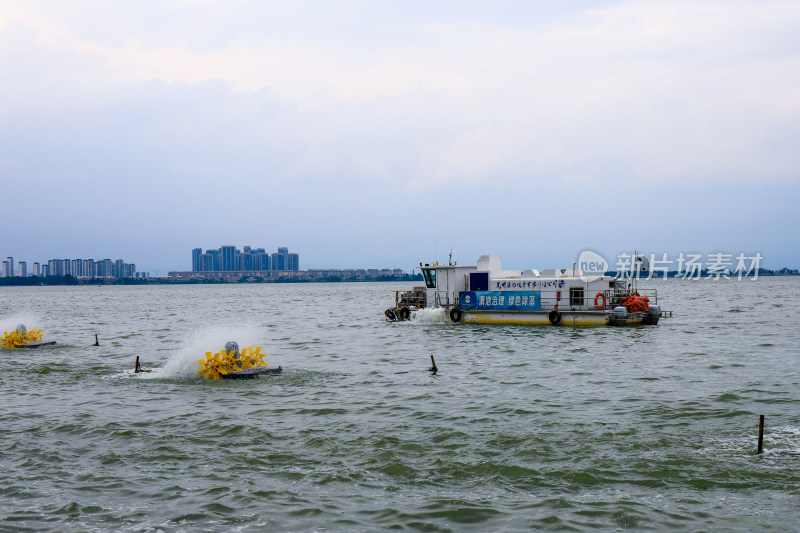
(455, 315)
(554, 317)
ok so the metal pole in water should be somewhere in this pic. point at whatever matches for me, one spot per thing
(433, 368)
(96, 340)
(760, 434)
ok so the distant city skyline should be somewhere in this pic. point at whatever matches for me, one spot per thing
(220, 263)
(79, 268)
(228, 258)
(230, 264)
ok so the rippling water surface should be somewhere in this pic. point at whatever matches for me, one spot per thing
(522, 428)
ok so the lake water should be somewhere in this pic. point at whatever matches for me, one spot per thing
(641, 428)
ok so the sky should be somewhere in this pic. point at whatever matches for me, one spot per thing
(378, 134)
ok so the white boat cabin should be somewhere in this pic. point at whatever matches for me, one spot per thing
(486, 286)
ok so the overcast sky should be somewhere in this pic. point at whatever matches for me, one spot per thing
(370, 134)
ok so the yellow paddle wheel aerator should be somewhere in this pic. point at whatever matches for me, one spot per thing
(21, 337)
(230, 363)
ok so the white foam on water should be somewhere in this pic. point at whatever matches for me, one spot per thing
(777, 440)
(782, 439)
(10, 323)
(185, 361)
(428, 316)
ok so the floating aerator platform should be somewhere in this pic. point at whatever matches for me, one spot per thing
(230, 363)
(23, 338)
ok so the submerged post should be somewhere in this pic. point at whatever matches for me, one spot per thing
(760, 434)
(138, 367)
(96, 340)
(433, 368)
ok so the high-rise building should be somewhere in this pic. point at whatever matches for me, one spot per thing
(37, 269)
(208, 263)
(197, 265)
(55, 267)
(228, 257)
(294, 262)
(262, 261)
(280, 260)
(5, 269)
(217, 255)
(277, 262)
(23, 269)
(247, 260)
(10, 266)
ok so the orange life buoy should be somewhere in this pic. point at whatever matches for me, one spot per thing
(597, 305)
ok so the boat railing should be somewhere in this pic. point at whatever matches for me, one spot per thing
(441, 299)
(611, 299)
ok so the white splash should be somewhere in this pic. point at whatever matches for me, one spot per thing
(428, 316)
(10, 323)
(185, 361)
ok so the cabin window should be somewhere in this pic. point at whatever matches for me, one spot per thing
(430, 278)
(576, 296)
(479, 281)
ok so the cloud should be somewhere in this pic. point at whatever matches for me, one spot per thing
(182, 107)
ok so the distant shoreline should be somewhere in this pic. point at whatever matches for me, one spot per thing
(28, 281)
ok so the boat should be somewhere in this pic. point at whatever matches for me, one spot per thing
(484, 293)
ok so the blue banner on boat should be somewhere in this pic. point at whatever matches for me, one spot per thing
(501, 300)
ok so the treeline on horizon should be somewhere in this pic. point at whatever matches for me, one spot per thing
(72, 280)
